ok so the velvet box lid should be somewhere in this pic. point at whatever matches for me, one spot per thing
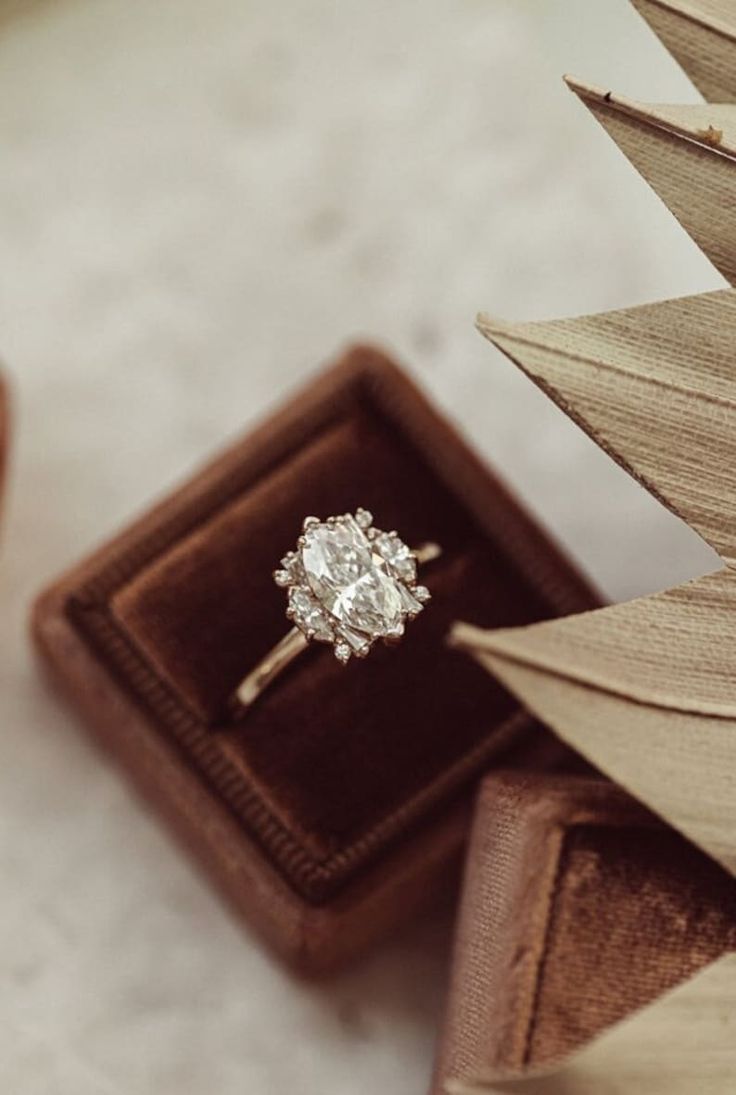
(578, 908)
(336, 807)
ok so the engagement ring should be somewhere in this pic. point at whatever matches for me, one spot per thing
(348, 584)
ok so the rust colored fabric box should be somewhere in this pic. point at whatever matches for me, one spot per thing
(335, 808)
(578, 907)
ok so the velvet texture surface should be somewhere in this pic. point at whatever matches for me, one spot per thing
(333, 766)
(579, 907)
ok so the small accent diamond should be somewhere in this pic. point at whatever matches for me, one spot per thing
(308, 615)
(398, 556)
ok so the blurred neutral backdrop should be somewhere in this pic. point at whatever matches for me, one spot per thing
(200, 203)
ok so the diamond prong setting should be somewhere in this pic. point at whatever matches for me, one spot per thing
(350, 584)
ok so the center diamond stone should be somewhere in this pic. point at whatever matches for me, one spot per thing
(351, 580)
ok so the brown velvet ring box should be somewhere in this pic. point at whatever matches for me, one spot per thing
(335, 808)
(578, 907)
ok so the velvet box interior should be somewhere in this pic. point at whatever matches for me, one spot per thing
(578, 907)
(335, 807)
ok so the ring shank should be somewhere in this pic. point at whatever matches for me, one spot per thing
(290, 647)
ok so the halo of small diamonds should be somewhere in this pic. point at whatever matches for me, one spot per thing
(350, 584)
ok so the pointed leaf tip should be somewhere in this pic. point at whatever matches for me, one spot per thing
(584, 90)
(687, 154)
(701, 36)
(636, 378)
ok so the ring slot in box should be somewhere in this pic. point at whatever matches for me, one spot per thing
(335, 806)
(578, 907)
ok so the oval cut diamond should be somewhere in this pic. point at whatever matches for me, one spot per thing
(351, 580)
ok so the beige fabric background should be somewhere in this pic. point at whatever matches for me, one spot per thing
(199, 203)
